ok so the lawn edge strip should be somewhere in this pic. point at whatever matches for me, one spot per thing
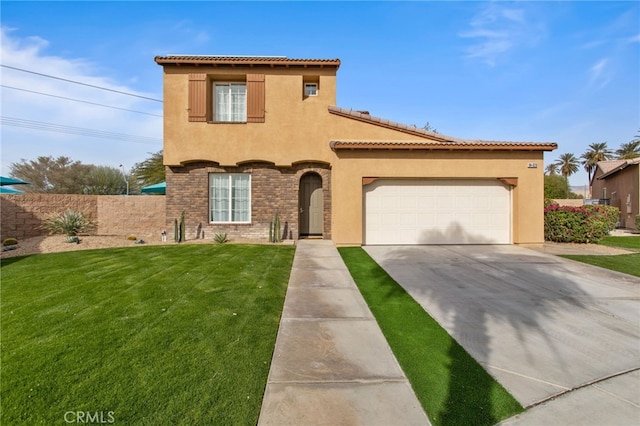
(452, 387)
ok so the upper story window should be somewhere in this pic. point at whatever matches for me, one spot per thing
(230, 102)
(310, 89)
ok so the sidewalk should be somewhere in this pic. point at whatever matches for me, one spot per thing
(614, 401)
(331, 363)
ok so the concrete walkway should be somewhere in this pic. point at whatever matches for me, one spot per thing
(332, 364)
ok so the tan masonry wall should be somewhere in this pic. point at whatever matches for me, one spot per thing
(573, 202)
(142, 216)
(22, 215)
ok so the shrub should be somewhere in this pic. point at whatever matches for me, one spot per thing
(220, 238)
(10, 242)
(132, 238)
(638, 222)
(609, 214)
(584, 224)
(70, 223)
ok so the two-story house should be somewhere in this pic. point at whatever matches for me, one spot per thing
(246, 137)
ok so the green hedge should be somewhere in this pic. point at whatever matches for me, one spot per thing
(584, 224)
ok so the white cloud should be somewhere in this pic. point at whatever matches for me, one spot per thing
(597, 69)
(18, 142)
(634, 39)
(497, 30)
(598, 73)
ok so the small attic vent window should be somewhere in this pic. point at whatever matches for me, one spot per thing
(311, 89)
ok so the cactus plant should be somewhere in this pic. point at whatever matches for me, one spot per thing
(275, 235)
(276, 226)
(182, 227)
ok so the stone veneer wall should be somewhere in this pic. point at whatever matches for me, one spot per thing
(272, 189)
(22, 215)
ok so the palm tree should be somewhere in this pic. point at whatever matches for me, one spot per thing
(596, 152)
(567, 164)
(551, 169)
(150, 171)
(629, 150)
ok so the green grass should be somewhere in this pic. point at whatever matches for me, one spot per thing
(629, 243)
(626, 263)
(155, 335)
(451, 386)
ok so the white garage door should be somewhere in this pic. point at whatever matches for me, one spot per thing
(400, 211)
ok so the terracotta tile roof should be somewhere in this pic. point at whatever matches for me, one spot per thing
(431, 140)
(613, 166)
(426, 145)
(244, 60)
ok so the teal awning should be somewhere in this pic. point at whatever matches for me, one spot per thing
(4, 190)
(11, 181)
(158, 188)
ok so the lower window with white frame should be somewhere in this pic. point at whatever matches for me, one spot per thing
(230, 197)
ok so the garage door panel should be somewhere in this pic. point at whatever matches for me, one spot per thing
(437, 212)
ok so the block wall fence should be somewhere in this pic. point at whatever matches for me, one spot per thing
(22, 215)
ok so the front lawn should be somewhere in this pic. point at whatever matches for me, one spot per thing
(144, 335)
(627, 263)
(451, 386)
(629, 243)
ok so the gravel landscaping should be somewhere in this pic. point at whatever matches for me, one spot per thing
(58, 243)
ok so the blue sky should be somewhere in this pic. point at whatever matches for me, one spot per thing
(565, 72)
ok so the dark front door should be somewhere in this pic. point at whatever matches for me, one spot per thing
(311, 205)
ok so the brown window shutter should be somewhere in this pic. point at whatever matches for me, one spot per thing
(255, 98)
(197, 97)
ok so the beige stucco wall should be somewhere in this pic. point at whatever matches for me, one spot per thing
(527, 195)
(292, 131)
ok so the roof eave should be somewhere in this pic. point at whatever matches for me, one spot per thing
(418, 146)
(245, 61)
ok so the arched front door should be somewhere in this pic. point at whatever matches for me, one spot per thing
(311, 205)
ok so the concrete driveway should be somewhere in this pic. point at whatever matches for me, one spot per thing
(543, 326)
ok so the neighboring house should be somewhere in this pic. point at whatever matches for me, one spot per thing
(619, 181)
(246, 137)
